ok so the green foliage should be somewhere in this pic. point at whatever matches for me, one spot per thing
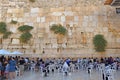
(53, 27)
(13, 22)
(58, 29)
(3, 27)
(99, 43)
(25, 28)
(25, 37)
(6, 34)
(32, 0)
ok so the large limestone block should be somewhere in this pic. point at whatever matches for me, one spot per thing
(15, 41)
(8, 20)
(69, 18)
(9, 11)
(63, 18)
(56, 13)
(53, 40)
(60, 9)
(26, 14)
(53, 9)
(30, 19)
(20, 20)
(33, 14)
(30, 24)
(68, 9)
(43, 19)
(58, 19)
(34, 10)
(15, 19)
(41, 25)
(86, 18)
(47, 28)
(41, 10)
(90, 29)
(68, 13)
(118, 40)
(84, 24)
(76, 18)
(38, 19)
(4, 46)
(36, 25)
(53, 18)
(48, 18)
(13, 29)
(16, 10)
(40, 35)
(20, 15)
(6, 41)
(51, 23)
(54, 45)
(76, 9)
(12, 3)
(16, 35)
(90, 18)
(26, 46)
(94, 24)
(105, 29)
(41, 14)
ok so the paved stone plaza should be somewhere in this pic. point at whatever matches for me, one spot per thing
(77, 75)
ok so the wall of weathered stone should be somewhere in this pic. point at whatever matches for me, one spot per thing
(82, 18)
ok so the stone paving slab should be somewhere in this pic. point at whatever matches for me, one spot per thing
(79, 75)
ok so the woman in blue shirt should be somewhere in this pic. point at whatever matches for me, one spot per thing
(12, 68)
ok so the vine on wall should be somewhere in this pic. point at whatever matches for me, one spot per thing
(3, 30)
(26, 35)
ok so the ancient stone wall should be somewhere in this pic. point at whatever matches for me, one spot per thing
(82, 18)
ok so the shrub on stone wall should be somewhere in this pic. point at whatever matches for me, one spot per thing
(32, 0)
(58, 29)
(4, 31)
(6, 34)
(25, 28)
(99, 43)
(26, 35)
(13, 22)
(3, 27)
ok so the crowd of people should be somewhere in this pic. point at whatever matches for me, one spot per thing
(10, 67)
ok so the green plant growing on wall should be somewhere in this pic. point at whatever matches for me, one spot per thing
(13, 22)
(4, 31)
(25, 28)
(3, 27)
(26, 35)
(32, 0)
(6, 34)
(60, 31)
(99, 43)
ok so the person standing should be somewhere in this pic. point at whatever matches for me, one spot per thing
(12, 68)
(65, 68)
(21, 65)
(6, 72)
